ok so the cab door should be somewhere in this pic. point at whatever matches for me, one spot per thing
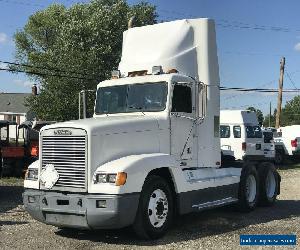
(183, 124)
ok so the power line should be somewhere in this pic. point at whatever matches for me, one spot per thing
(247, 105)
(266, 84)
(44, 68)
(288, 75)
(219, 22)
(45, 74)
(261, 85)
(261, 90)
(81, 76)
(23, 3)
(232, 23)
(255, 53)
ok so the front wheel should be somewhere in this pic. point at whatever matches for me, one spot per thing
(248, 188)
(155, 210)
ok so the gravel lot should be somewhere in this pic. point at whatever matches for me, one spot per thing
(214, 229)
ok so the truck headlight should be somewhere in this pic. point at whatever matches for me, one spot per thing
(32, 174)
(118, 179)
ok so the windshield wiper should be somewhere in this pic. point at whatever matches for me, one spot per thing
(138, 108)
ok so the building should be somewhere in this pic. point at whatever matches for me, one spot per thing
(12, 106)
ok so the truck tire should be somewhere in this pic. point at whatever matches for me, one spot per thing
(279, 157)
(248, 188)
(155, 211)
(269, 184)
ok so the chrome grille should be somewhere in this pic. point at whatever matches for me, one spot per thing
(68, 155)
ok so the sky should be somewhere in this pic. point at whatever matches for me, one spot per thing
(252, 36)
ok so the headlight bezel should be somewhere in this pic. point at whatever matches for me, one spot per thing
(117, 179)
(32, 174)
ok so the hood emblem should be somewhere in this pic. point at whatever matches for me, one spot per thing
(62, 132)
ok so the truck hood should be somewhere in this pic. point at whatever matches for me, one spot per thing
(111, 124)
(113, 137)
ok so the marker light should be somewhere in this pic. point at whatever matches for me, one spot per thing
(170, 71)
(244, 146)
(157, 70)
(115, 74)
(121, 179)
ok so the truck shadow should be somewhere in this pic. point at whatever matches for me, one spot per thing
(289, 165)
(10, 197)
(194, 226)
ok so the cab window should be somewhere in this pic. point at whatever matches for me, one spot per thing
(182, 99)
(268, 136)
(253, 132)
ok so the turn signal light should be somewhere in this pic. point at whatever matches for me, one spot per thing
(244, 146)
(34, 151)
(121, 179)
(137, 73)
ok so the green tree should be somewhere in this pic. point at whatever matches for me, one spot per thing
(259, 114)
(73, 49)
(290, 114)
(273, 119)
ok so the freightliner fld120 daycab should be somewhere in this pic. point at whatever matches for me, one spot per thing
(152, 149)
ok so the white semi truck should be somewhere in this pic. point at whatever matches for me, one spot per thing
(152, 149)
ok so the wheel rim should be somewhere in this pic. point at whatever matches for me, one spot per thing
(270, 184)
(158, 208)
(250, 188)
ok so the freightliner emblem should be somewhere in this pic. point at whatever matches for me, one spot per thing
(62, 132)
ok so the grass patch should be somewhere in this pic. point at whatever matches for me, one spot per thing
(11, 181)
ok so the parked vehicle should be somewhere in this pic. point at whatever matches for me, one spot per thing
(12, 150)
(5, 136)
(287, 142)
(152, 150)
(227, 154)
(22, 150)
(239, 129)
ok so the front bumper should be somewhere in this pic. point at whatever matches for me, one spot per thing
(79, 210)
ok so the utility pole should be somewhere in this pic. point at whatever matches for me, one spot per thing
(270, 114)
(279, 99)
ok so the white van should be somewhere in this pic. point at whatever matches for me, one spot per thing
(241, 133)
(287, 142)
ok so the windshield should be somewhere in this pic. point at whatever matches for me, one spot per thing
(144, 97)
(268, 136)
(253, 132)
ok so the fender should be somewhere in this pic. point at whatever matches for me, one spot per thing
(137, 168)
